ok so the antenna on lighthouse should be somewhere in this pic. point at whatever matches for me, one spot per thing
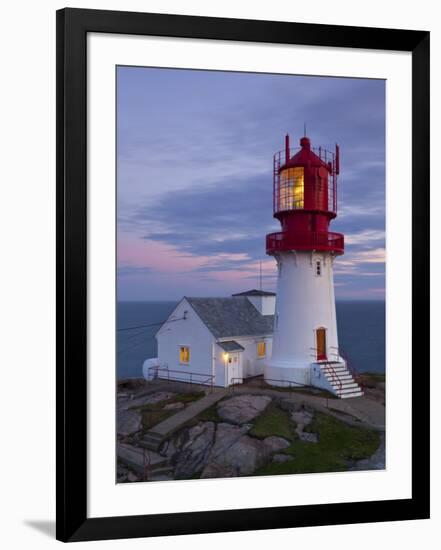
(304, 129)
(260, 275)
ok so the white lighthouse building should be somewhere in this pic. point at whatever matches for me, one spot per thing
(305, 348)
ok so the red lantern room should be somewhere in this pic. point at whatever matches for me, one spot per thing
(305, 199)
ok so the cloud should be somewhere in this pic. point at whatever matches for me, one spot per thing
(195, 173)
(365, 237)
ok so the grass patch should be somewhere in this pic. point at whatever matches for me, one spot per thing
(209, 415)
(187, 397)
(273, 421)
(337, 444)
(152, 417)
(306, 390)
(372, 379)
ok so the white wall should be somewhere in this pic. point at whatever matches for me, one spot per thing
(266, 305)
(28, 130)
(251, 365)
(189, 332)
(304, 303)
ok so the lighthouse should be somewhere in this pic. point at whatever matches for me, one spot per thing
(305, 348)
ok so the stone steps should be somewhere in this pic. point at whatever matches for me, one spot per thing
(341, 381)
(357, 393)
(151, 440)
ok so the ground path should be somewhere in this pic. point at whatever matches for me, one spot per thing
(174, 422)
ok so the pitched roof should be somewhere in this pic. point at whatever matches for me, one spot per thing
(255, 292)
(231, 345)
(232, 317)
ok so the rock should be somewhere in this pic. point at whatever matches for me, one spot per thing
(226, 435)
(146, 399)
(242, 408)
(138, 459)
(215, 469)
(376, 462)
(172, 406)
(275, 443)
(242, 458)
(121, 473)
(194, 452)
(302, 417)
(282, 458)
(132, 477)
(246, 455)
(157, 397)
(128, 422)
(168, 448)
(306, 436)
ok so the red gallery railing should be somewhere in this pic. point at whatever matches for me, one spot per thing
(307, 240)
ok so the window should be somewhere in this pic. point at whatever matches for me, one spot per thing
(261, 349)
(318, 268)
(291, 192)
(184, 354)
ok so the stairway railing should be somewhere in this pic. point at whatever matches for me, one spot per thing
(334, 374)
(355, 375)
(184, 376)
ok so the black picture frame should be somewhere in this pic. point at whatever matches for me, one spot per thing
(72, 28)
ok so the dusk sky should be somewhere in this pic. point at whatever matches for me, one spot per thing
(194, 177)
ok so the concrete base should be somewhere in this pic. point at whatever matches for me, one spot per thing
(281, 372)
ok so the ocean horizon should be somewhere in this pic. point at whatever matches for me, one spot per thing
(360, 324)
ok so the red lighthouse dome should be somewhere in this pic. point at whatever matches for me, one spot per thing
(305, 199)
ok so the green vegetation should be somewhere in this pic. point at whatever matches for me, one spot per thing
(274, 421)
(187, 397)
(152, 417)
(303, 389)
(337, 444)
(372, 379)
(209, 415)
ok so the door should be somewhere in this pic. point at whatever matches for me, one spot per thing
(321, 344)
(234, 370)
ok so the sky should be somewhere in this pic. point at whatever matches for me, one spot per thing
(194, 178)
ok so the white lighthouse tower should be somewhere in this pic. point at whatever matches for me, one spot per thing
(305, 341)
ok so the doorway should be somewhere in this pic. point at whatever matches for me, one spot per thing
(234, 374)
(321, 344)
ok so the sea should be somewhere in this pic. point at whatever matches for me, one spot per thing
(361, 333)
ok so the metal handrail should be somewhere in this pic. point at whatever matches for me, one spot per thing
(209, 378)
(289, 383)
(335, 376)
(305, 240)
(355, 375)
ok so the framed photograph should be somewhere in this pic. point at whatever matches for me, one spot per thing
(242, 274)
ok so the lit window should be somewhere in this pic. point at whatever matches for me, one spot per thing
(184, 354)
(261, 349)
(291, 188)
(318, 268)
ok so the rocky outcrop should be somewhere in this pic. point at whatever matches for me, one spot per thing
(128, 422)
(194, 448)
(303, 418)
(242, 408)
(243, 457)
(276, 443)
